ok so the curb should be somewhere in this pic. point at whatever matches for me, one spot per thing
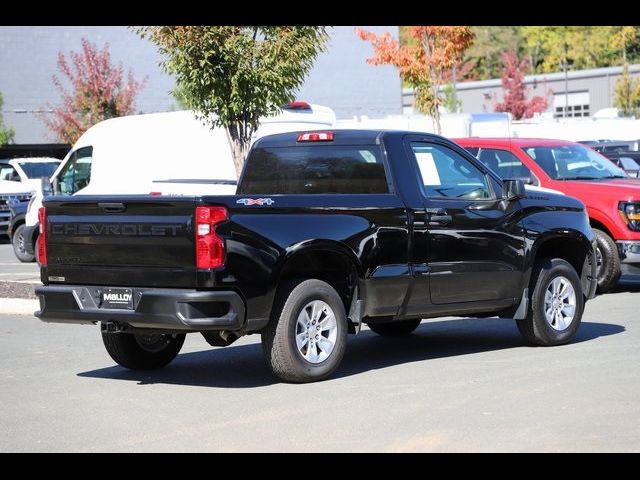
(18, 306)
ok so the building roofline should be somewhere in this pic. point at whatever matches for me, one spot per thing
(542, 77)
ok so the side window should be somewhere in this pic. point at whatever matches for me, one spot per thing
(504, 163)
(76, 174)
(445, 173)
(7, 172)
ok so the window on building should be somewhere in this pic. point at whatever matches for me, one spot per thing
(575, 104)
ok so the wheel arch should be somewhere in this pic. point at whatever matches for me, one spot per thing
(572, 246)
(329, 261)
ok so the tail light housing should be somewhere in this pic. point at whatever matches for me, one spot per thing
(315, 137)
(42, 237)
(209, 246)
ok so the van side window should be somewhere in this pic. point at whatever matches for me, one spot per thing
(7, 172)
(76, 174)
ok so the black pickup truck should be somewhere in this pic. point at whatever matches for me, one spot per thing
(328, 230)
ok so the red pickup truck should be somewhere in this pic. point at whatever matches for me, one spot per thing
(611, 197)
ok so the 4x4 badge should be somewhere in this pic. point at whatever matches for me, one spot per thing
(255, 201)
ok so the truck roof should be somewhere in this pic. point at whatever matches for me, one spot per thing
(341, 137)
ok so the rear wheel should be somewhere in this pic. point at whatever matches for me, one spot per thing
(608, 261)
(142, 352)
(395, 329)
(557, 303)
(19, 243)
(307, 335)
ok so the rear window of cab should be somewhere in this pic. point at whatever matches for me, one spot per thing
(344, 169)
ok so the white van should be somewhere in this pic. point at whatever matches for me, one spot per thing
(170, 153)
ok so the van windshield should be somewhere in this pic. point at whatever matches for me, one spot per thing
(39, 169)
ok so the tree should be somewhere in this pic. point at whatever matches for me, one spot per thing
(6, 133)
(515, 91)
(450, 103)
(578, 46)
(233, 75)
(489, 44)
(422, 61)
(627, 93)
(98, 92)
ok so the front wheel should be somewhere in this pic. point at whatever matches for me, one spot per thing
(557, 303)
(607, 261)
(18, 241)
(307, 334)
(141, 351)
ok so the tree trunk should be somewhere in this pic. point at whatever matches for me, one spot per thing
(435, 108)
(436, 119)
(240, 139)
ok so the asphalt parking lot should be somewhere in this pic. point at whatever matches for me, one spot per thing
(11, 269)
(455, 385)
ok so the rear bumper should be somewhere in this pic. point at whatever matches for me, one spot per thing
(154, 308)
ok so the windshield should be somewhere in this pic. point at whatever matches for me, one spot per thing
(38, 170)
(573, 162)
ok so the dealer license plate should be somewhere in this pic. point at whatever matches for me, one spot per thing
(121, 298)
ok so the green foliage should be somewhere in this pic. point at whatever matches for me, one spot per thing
(6, 133)
(544, 47)
(448, 100)
(486, 52)
(627, 94)
(233, 75)
(582, 46)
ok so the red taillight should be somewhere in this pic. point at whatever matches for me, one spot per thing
(209, 246)
(297, 106)
(42, 237)
(315, 137)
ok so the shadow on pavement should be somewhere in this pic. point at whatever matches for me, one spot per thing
(243, 366)
(628, 283)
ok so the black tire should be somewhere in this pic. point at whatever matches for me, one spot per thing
(279, 337)
(535, 329)
(609, 271)
(142, 352)
(395, 329)
(19, 242)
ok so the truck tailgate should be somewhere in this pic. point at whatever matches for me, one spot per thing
(130, 241)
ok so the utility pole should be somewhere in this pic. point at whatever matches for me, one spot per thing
(566, 75)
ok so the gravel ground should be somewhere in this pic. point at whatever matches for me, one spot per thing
(16, 290)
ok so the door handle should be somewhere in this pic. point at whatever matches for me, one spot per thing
(112, 207)
(439, 217)
(440, 220)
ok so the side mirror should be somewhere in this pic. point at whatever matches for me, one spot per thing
(46, 186)
(54, 185)
(513, 189)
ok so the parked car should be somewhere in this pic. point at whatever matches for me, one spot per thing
(18, 212)
(328, 230)
(629, 161)
(171, 153)
(27, 171)
(611, 197)
(7, 202)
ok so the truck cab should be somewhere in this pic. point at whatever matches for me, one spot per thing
(611, 197)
